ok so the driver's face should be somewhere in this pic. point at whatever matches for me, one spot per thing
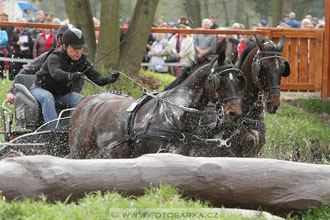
(74, 53)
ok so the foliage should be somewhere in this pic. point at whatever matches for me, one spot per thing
(316, 212)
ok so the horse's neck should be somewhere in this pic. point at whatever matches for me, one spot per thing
(190, 93)
(251, 92)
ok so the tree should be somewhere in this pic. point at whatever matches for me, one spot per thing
(109, 34)
(80, 14)
(194, 11)
(225, 10)
(132, 50)
(277, 7)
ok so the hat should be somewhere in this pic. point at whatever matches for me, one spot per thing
(3, 13)
(171, 23)
(263, 22)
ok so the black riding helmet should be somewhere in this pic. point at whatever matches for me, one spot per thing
(61, 31)
(74, 37)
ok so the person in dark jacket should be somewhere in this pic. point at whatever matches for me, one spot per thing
(35, 66)
(62, 69)
(229, 44)
(21, 45)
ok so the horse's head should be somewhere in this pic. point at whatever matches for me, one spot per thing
(269, 66)
(224, 87)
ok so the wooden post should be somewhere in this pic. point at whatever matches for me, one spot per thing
(326, 59)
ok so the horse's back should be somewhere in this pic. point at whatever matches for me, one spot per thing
(97, 120)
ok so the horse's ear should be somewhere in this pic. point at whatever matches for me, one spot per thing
(234, 57)
(281, 43)
(221, 57)
(259, 42)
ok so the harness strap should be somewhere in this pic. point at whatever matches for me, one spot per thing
(151, 133)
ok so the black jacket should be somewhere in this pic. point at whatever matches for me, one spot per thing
(223, 44)
(35, 66)
(53, 75)
(15, 49)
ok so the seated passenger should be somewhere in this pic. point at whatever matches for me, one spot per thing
(63, 68)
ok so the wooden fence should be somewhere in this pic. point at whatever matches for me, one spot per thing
(303, 49)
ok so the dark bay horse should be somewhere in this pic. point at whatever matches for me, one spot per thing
(113, 126)
(263, 66)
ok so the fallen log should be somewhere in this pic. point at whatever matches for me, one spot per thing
(274, 185)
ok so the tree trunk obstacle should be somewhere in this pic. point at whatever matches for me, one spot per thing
(250, 183)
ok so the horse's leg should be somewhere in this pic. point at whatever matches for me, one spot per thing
(80, 124)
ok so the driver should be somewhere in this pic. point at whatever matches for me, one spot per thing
(32, 68)
(63, 68)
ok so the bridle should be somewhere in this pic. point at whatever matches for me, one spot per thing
(258, 59)
(214, 80)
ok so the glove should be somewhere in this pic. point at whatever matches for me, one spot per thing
(73, 77)
(114, 76)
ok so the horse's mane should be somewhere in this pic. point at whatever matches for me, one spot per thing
(245, 52)
(269, 45)
(186, 72)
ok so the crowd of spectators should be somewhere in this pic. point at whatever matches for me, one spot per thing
(25, 43)
(29, 43)
(198, 46)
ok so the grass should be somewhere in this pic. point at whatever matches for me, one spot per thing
(292, 135)
(157, 203)
(314, 105)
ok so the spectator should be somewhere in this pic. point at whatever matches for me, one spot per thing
(214, 25)
(251, 39)
(263, 23)
(315, 21)
(320, 25)
(127, 23)
(237, 26)
(169, 35)
(183, 47)
(229, 44)
(242, 44)
(306, 23)
(285, 18)
(48, 17)
(160, 21)
(310, 17)
(21, 45)
(283, 25)
(3, 53)
(40, 16)
(183, 20)
(45, 41)
(159, 48)
(9, 30)
(292, 22)
(205, 44)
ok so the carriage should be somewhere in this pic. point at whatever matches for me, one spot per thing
(24, 131)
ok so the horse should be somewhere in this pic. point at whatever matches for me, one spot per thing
(263, 66)
(112, 126)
